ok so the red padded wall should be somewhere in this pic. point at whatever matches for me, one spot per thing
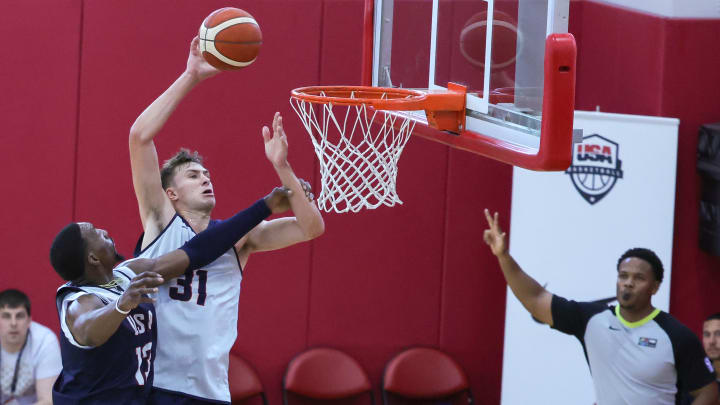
(38, 113)
(691, 85)
(620, 58)
(473, 288)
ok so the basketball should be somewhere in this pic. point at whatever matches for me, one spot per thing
(230, 38)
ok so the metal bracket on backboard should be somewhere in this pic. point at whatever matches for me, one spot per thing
(446, 110)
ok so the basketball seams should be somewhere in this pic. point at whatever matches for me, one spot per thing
(224, 14)
(203, 37)
(214, 31)
(230, 38)
(239, 33)
(214, 52)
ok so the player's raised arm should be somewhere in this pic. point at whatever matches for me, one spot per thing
(536, 299)
(307, 223)
(155, 209)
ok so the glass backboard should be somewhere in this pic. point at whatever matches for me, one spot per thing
(514, 56)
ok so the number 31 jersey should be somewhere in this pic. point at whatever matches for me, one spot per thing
(197, 320)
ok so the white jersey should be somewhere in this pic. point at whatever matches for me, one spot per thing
(197, 320)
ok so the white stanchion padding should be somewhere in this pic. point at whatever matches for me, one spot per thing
(358, 152)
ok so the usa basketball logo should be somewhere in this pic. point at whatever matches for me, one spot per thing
(596, 167)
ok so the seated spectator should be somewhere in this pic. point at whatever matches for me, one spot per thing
(711, 342)
(30, 356)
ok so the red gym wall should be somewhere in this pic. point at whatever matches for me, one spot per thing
(79, 72)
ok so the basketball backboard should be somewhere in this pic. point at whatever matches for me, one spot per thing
(514, 56)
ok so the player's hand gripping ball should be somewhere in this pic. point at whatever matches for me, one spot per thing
(230, 39)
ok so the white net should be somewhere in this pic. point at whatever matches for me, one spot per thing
(358, 149)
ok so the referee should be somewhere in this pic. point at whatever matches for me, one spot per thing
(638, 354)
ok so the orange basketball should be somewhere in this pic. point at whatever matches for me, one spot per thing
(230, 38)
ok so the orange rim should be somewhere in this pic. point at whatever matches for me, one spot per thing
(384, 98)
(444, 110)
(381, 98)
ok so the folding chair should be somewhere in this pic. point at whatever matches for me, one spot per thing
(244, 381)
(326, 374)
(424, 374)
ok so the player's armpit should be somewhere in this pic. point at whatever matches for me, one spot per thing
(707, 395)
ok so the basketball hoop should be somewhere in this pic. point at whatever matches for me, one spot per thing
(358, 140)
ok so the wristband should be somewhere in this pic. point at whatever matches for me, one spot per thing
(117, 308)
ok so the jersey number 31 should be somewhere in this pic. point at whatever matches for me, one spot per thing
(184, 289)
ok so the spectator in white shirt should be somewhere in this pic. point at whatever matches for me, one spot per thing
(30, 356)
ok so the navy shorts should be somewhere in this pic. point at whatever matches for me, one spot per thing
(162, 397)
(111, 397)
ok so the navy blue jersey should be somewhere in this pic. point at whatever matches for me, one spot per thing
(119, 371)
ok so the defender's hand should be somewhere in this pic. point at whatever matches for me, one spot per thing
(494, 237)
(276, 147)
(279, 200)
(197, 66)
(140, 286)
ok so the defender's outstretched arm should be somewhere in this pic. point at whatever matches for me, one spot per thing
(92, 323)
